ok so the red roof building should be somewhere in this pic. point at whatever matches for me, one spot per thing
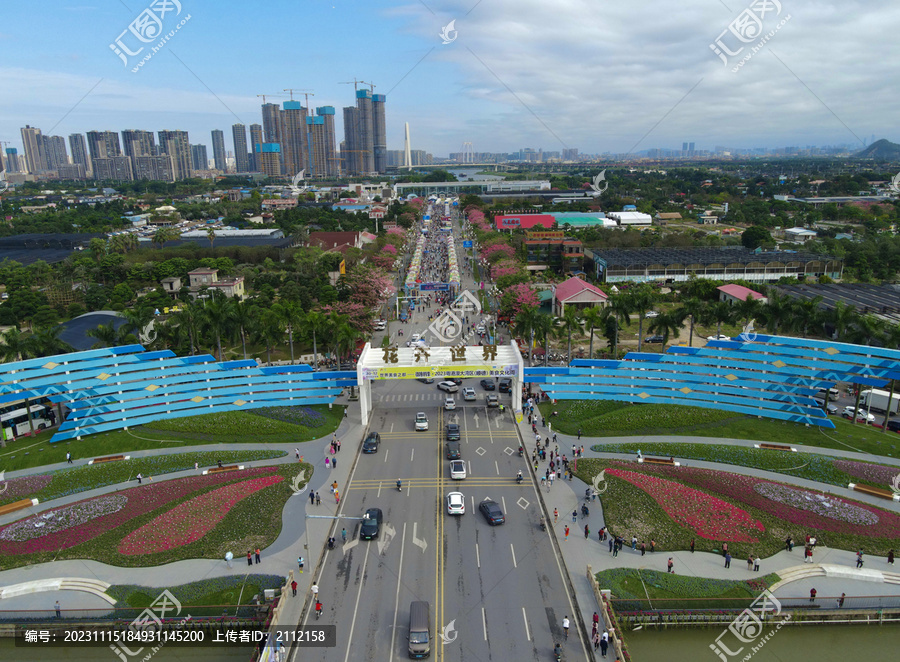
(732, 294)
(578, 293)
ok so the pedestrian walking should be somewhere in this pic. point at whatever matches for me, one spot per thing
(196, 466)
(807, 554)
(249, 557)
(890, 557)
(337, 497)
(611, 543)
(724, 548)
(859, 559)
(58, 609)
(750, 562)
(567, 532)
(756, 564)
(812, 594)
(294, 587)
(301, 563)
(595, 638)
(543, 480)
(587, 532)
(604, 643)
(596, 620)
(327, 462)
(579, 433)
(574, 516)
(643, 548)
(692, 545)
(840, 600)
(312, 497)
(69, 458)
(257, 554)
(789, 544)
(671, 565)
(617, 546)
(555, 515)
(139, 479)
(344, 535)
(339, 445)
(318, 499)
(727, 560)
(297, 453)
(633, 543)
(652, 545)
(334, 463)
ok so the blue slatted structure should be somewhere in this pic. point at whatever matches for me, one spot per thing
(118, 387)
(772, 376)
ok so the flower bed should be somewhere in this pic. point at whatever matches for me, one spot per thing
(192, 519)
(54, 521)
(17, 488)
(817, 503)
(141, 500)
(876, 474)
(708, 516)
(297, 415)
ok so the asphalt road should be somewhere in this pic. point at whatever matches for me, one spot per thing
(495, 592)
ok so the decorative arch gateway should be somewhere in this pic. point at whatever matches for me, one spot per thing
(462, 361)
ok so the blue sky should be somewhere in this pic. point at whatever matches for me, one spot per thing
(595, 75)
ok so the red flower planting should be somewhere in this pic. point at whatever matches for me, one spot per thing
(708, 516)
(141, 500)
(192, 519)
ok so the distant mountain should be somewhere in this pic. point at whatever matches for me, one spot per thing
(881, 150)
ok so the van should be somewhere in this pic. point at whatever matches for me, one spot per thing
(419, 630)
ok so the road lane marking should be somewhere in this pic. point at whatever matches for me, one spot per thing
(513, 550)
(503, 499)
(386, 453)
(490, 434)
(356, 607)
(418, 542)
(483, 624)
(412, 454)
(477, 552)
(469, 473)
(392, 427)
(527, 631)
(397, 592)
(497, 467)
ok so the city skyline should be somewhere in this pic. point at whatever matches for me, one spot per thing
(506, 76)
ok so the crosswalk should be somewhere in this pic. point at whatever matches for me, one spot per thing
(427, 397)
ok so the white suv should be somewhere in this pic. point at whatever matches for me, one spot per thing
(421, 421)
(449, 404)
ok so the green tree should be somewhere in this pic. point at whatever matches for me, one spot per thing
(270, 331)
(778, 312)
(543, 329)
(593, 318)
(570, 323)
(693, 309)
(313, 324)
(756, 236)
(525, 324)
(244, 315)
(291, 316)
(640, 300)
(616, 314)
(216, 318)
(666, 324)
(718, 313)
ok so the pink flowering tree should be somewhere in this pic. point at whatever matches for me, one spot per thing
(517, 297)
(389, 249)
(505, 268)
(498, 251)
(368, 285)
(359, 316)
(383, 261)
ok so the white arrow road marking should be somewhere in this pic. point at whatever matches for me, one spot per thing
(418, 543)
(497, 421)
(387, 534)
(475, 417)
(350, 544)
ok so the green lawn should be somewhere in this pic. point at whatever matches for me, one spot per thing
(225, 428)
(83, 477)
(597, 418)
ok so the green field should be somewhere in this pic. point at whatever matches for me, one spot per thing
(597, 418)
(208, 429)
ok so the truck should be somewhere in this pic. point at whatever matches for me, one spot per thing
(878, 400)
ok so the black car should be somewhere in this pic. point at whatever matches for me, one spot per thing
(453, 450)
(488, 384)
(371, 524)
(492, 512)
(370, 445)
(452, 432)
(426, 380)
(654, 339)
(505, 385)
(894, 425)
(455, 380)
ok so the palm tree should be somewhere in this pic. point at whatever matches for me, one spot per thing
(748, 309)
(666, 324)
(593, 317)
(216, 317)
(570, 323)
(45, 342)
(692, 308)
(345, 339)
(137, 319)
(778, 312)
(543, 329)
(244, 315)
(807, 314)
(640, 301)
(163, 235)
(525, 324)
(718, 313)
(867, 329)
(188, 320)
(14, 346)
(313, 323)
(291, 316)
(270, 330)
(616, 313)
(842, 317)
(211, 235)
(108, 335)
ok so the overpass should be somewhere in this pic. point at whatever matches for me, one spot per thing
(538, 187)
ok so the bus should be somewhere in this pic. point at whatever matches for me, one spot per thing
(15, 422)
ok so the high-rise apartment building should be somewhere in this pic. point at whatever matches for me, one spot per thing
(256, 139)
(33, 142)
(103, 144)
(12, 160)
(331, 160)
(177, 145)
(570, 154)
(241, 155)
(379, 153)
(273, 128)
(294, 138)
(55, 154)
(157, 168)
(322, 161)
(117, 168)
(199, 161)
(80, 152)
(268, 159)
(351, 160)
(365, 131)
(218, 145)
(137, 143)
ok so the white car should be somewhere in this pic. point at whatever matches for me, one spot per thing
(380, 325)
(415, 337)
(468, 393)
(450, 387)
(721, 336)
(861, 414)
(652, 313)
(457, 470)
(456, 503)
(421, 421)
(449, 404)
(479, 328)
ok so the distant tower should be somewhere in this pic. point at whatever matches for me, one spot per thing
(408, 156)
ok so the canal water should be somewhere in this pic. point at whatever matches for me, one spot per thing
(813, 643)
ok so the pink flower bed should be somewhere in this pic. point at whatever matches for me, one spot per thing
(61, 519)
(141, 500)
(192, 519)
(16, 488)
(817, 503)
(875, 473)
(742, 489)
(708, 516)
